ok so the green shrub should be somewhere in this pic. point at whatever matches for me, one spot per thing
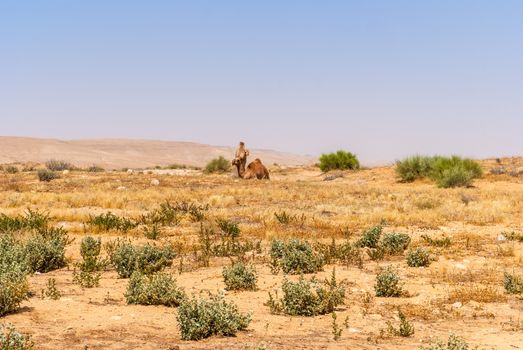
(59, 165)
(370, 238)
(406, 329)
(167, 214)
(152, 232)
(443, 242)
(418, 257)
(11, 339)
(340, 160)
(512, 283)
(304, 298)
(240, 277)
(217, 165)
(296, 257)
(395, 243)
(14, 287)
(453, 343)
(388, 283)
(45, 250)
(11, 169)
(46, 175)
(89, 275)
(146, 259)
(109, 221)
(157, 289)
(199, 319)
(454, 171)
(349, 254)
(413, 168)
(95, 169)
(31, 220)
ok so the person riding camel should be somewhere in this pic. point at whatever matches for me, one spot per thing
(241, 156)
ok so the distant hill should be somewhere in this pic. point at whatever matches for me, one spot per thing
(123, 153)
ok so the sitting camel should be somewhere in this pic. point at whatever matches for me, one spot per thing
(255, 169)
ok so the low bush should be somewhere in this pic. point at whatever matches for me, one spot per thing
(453, 343)
(95, 169)
(340, 160)
(395, 243)
(217, 165)
(296, 257)
(11, 169)
(406, 329)
(11, 339)
(413, 168)
(109, 221)
(31, 220)
(201, 318)
(418, 257)
(44, 251)
(308, 298)
(46, 175)
(89, 269)
(14, 287)
(152, 232)
(59, 165)
(388, 283)
(146, 259)
(370, 238)
(157, 289)
(239, 276)
(512, 283)
(443, 242)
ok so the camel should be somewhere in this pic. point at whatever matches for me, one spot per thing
(255, 169)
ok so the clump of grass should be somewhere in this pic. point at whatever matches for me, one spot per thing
(146, 259)
(340, 160)
(95, 169)
(11, 339)
(476, 292)
(513, 236)
(308, 298)
(201, 318)
(388, 283)
(217, 165)
(406, 329)
(109, 221)
(296, 256)
(443, 242)
(453, 343)
(59, 165)
(157, 289)
(418, 257)
(11, 169)
(46, 175)
(152, 232)
(414, 167)
(336, 330)
(239, 276)
(513, 284)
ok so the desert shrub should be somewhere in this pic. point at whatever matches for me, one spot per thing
(443, 242)
(512, 283)
(11, 339)
(95, 169)
(406, 329)
(89, 269)
(454, 171)
(296, 257)
(31, 220)
(59, 165)
(418, 257)
(239, 276)
(109, 221)
(388, 283)
(201, 318)
(11, 169)
(349, 254)
(513, 236)
(340, 160)
(376, 254)
(413, 168)
(370, 238)
(395, 243)
(157, 289)
(14, 287)
(51, 291)
(453, 343)
(152, 232)
(44, 251)
(217, 165)
(146, 259)
(284, 218)
(167, 214)
(46, 175)
(308, 298)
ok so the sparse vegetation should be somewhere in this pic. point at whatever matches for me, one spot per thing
(11, 339)
(46, 175)
(59, 165)
(90, 267)
(406, 329)
(388, 283)
(513, 284)
(109, 221)
(240, 276)
(418, 257)
(157, 289)
(340, 160)
(453, 343)
(218, 165)
(202, 318)
(370, 238)
(296, 256)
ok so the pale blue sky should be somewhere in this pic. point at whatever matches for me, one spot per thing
(383, 79)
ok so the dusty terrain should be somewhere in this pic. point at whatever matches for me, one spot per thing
(118, 154)
(440, 297)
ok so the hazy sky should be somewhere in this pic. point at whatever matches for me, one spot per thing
(383, 79)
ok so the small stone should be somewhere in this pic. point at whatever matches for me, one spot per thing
(155, 182)
(65, 172)
(130, 171)
(354, 330)
(375, 317)
(501, 238)
(121, 188)
(460, 266)
(116, 318)
(457, 305)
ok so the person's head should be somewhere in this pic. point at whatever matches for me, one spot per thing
(242, 143)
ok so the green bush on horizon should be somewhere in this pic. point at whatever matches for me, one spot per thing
(340, 160)
(217, 165)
